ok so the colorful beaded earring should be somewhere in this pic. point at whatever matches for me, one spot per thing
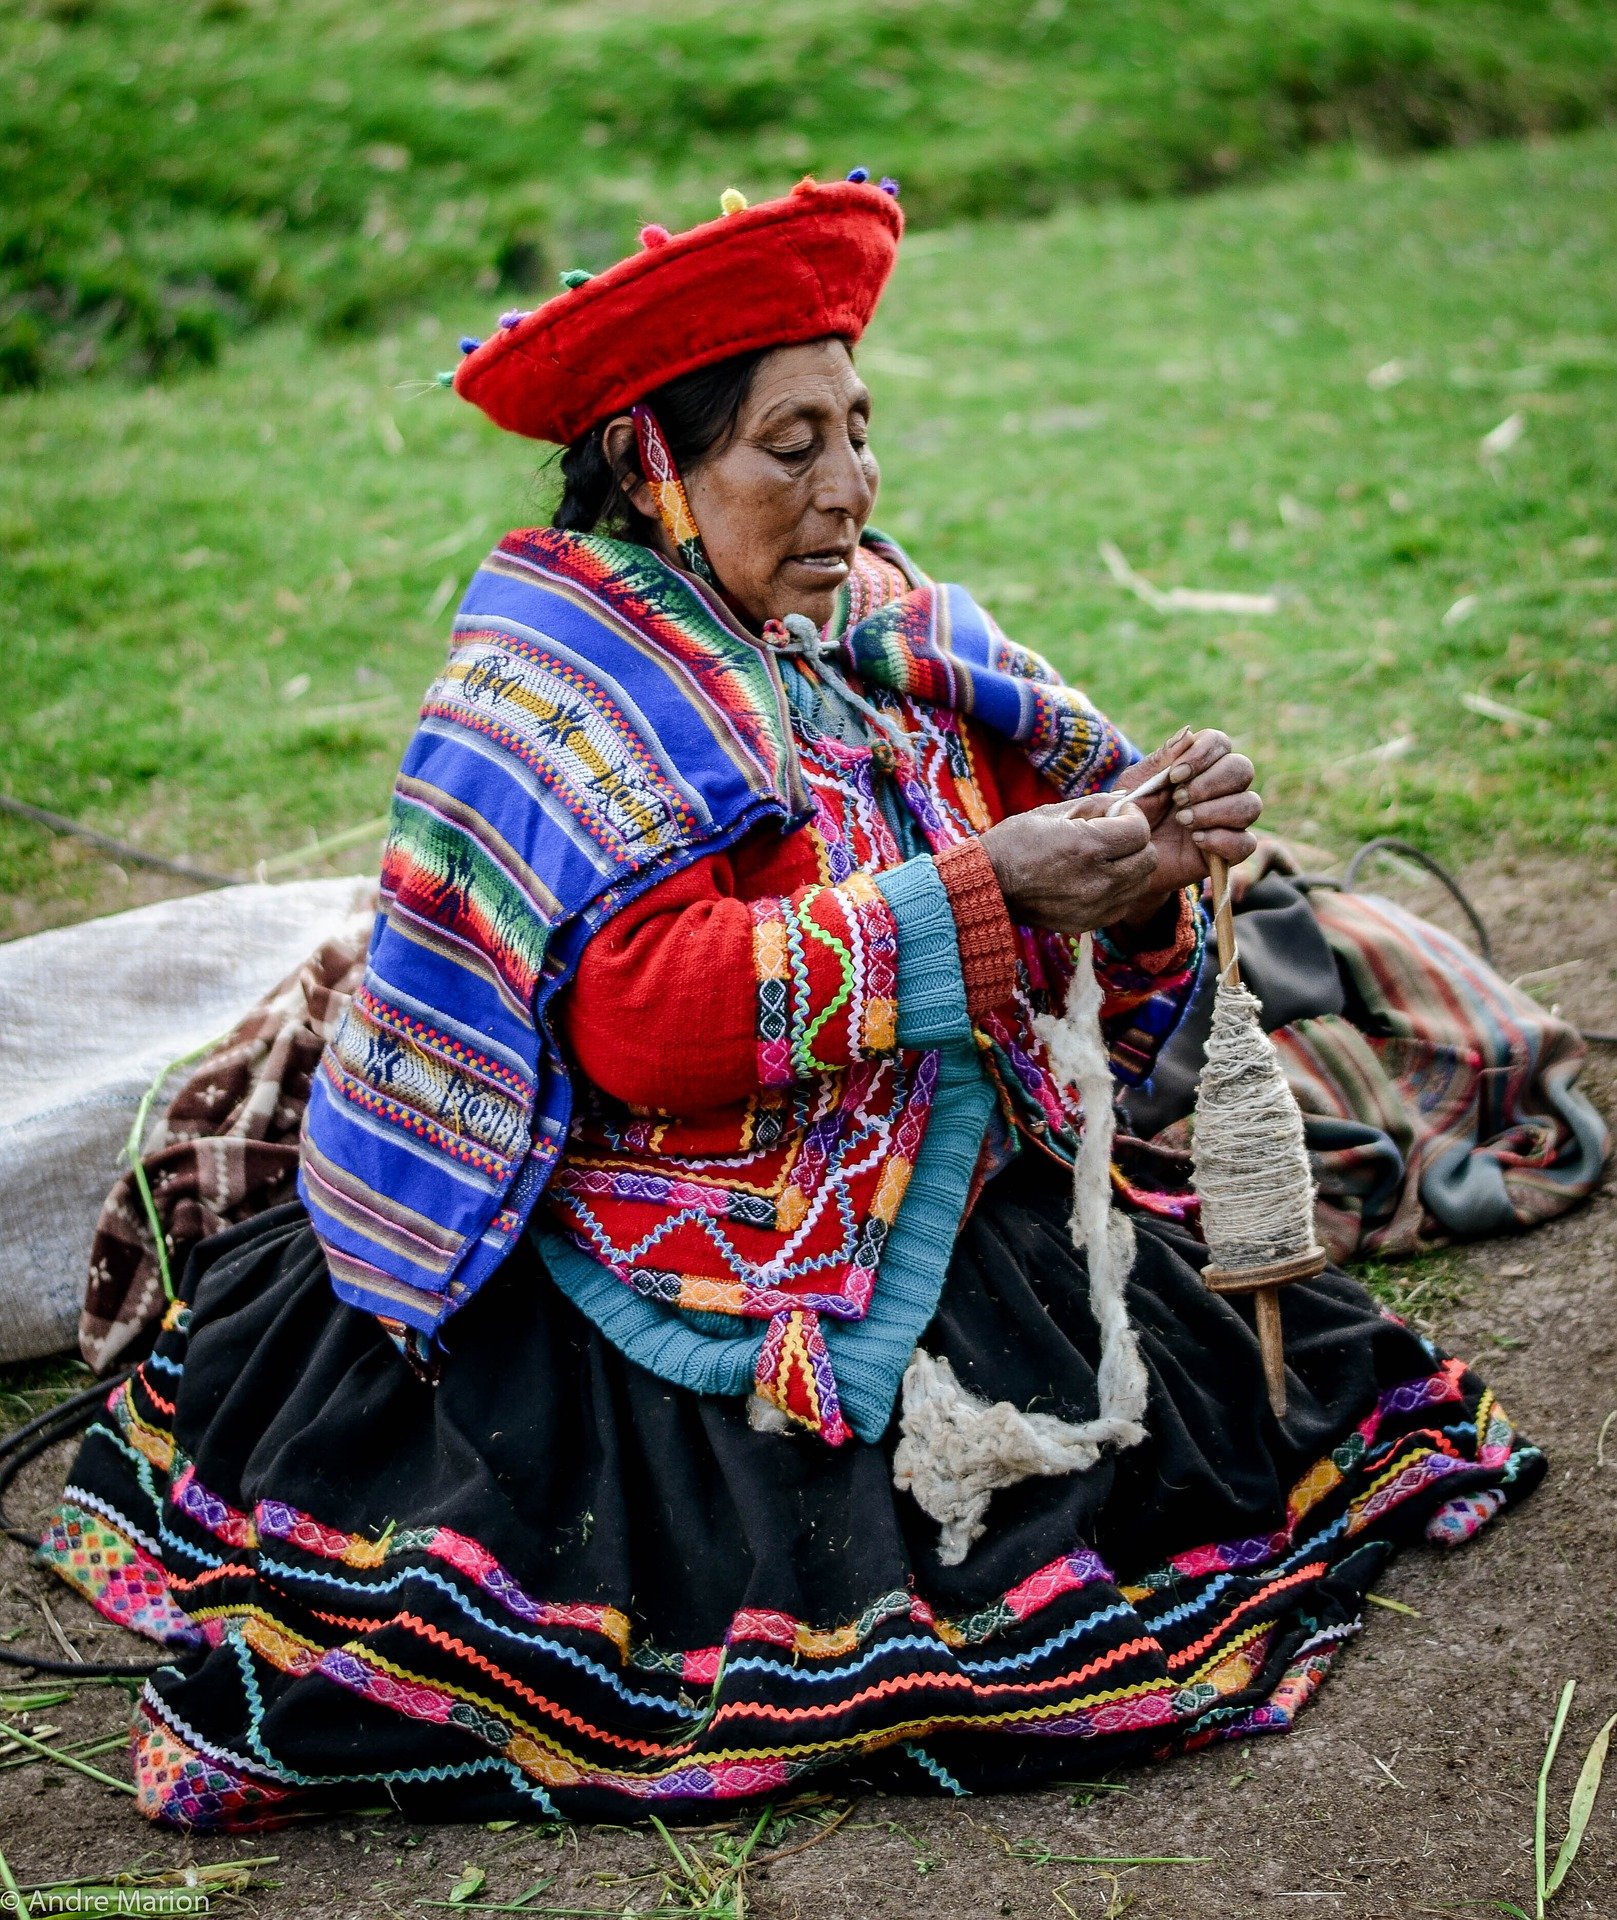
(668, 490)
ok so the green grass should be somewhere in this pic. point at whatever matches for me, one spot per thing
(1193, 381)
(221, 598)
(29, 1388)
(1421, 1287)
(170, 175)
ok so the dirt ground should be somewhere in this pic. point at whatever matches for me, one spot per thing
(1406, 1790)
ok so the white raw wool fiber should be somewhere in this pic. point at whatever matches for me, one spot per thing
(1251, 1163)
(955, 1448)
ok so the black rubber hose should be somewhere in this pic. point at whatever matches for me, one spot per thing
(59, 823)
(85, 1397)
(75, 1669)
(35, 1436)
(15, 1459)
(1433, 867)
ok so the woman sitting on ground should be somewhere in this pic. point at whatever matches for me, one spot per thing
(554, 1453)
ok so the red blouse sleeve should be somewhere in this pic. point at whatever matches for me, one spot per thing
(692, 998)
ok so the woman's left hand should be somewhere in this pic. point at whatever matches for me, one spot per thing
(1207, 807)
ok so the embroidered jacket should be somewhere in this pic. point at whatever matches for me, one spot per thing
(601, 725)
(767, 1058)
(746, 1119)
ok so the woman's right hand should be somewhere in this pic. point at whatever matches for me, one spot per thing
(1068, 866)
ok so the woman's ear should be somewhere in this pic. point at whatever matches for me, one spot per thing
(622, 449)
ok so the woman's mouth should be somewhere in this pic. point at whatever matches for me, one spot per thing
(830, 563)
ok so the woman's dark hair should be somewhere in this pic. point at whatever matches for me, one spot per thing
(697, 412)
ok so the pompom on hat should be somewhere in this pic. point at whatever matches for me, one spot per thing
(799, 268)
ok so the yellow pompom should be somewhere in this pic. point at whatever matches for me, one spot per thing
(732, 200)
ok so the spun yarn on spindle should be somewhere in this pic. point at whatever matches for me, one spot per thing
(1251, 1163)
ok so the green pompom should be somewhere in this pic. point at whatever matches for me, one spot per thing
(575, 277)
(445, 379)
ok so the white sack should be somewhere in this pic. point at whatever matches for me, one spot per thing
(89, 1016)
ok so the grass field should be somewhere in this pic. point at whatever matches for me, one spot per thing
(171, 175)
(222, 596)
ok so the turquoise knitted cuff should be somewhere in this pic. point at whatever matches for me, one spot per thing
(931, 988)
(869, 1356)
(654, 1336)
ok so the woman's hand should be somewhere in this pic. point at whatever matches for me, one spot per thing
(1067, 867)
(1207, 807)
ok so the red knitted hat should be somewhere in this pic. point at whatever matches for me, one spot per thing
(785, 271)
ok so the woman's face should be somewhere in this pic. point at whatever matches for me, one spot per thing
(781, 504)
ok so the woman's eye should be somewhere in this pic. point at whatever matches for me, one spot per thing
(793, 453)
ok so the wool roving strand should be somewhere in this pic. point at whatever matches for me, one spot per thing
(1251, 1169)
(955, 1449)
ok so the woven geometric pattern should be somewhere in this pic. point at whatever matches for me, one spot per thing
(179, 1786)
(117, 1576)
(782, 1200)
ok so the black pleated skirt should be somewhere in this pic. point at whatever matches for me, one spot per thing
(554, 1583)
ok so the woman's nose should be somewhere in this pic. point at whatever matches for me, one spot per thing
(847, 482)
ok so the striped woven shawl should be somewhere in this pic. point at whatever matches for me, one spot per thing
(600, 723)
